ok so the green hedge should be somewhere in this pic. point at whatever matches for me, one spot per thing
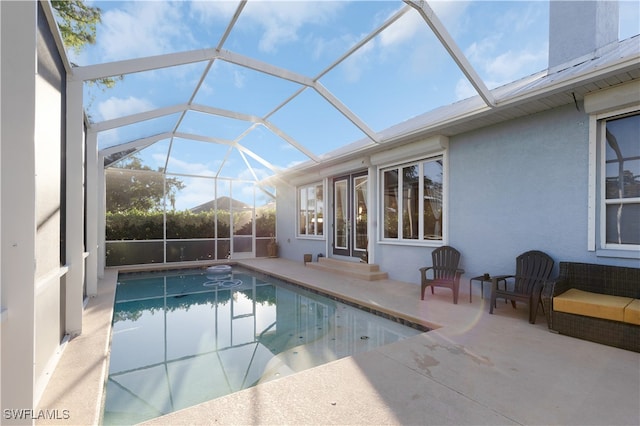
(134, 225)
(140, 225)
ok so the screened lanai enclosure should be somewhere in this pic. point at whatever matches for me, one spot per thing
(212, 100)
(150, 217)
(190, 140)
(223, 95)
(194, 132)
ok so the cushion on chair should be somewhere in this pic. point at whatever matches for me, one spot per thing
(632, 312)
(579, 302)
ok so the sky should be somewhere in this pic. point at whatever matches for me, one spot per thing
(401, 73)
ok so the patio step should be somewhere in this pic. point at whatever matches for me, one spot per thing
(363, 271)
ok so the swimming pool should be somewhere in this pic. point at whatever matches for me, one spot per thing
(183, 337)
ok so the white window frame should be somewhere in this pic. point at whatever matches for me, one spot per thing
(602, 105)
(601, 120)
(597, 188)
(419, 161)
(307, 187)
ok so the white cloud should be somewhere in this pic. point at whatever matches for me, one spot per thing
(207, 11)
(356, 64)
(464, 89)
(238, 79)
(499, 70)
(159, 158)
(511, 65)
(287, 147)
(141, 29)
(502, 68)
(118, 107)
(192, 168)
(281, 21)
(408, 37)
(294, 163)
(196, 192)
(108, 138)
(521, 20)
(451, 14)
(260, 173)
(403, 30)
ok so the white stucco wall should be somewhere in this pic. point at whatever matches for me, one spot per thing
(513, 187)
(289, 246)
(520, 186)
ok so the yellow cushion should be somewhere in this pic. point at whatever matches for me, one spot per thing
(632, 312)
(579, 302)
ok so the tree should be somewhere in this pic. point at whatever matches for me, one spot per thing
(143, 191)
(77, 23)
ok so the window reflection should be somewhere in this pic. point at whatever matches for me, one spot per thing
(390, 178)
(432, 184)
(311, 210)
(421, 204)
(622, 180)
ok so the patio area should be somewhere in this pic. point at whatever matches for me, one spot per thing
(473, 368)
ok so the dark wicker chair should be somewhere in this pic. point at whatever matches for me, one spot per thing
(445, 271)
(533, 268)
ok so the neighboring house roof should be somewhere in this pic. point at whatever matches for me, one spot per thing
(222, 203)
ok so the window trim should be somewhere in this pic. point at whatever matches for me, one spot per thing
(617, 100)
(306, 186)
(400, 164)
(597, 201)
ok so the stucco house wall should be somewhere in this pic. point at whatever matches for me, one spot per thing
(515, 186)
(519, 186)
(289, 246)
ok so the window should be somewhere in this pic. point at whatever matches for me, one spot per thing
(620, 181)
(412, 201)
(614, 171)
(310, 210)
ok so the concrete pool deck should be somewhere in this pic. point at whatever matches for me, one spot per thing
(473, 368)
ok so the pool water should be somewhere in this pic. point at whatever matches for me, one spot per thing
(180, 338)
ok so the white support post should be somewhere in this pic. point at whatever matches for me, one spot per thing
(74, 209)
(93, 169)
(101, 212)
(372, 213)
(18, 46)
(2, 310)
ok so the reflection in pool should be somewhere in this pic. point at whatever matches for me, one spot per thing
(180, 338)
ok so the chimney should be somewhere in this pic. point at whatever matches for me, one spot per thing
(579, 30)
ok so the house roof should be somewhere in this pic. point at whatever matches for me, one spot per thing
(618, 64)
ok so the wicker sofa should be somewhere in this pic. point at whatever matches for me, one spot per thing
(600, 303)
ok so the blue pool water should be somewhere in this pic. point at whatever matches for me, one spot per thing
(184, 337)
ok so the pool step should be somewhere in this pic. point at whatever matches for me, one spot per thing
(364, 271)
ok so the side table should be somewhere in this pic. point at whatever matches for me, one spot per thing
(486, 278)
